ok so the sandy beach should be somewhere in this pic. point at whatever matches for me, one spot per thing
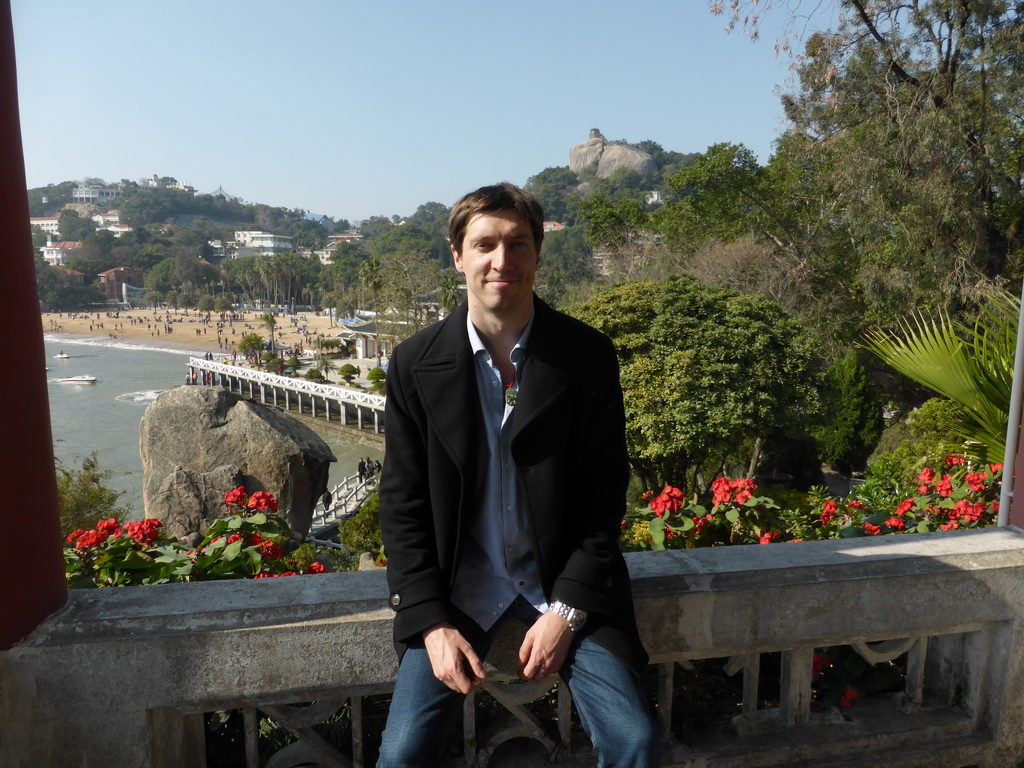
(186, 328)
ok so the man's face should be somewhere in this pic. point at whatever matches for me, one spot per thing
(499, 260)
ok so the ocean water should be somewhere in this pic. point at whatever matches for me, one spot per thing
(104, 417)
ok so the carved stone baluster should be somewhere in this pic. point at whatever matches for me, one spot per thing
(915, 671)
(750, 663)
(795, 693)
(252, 748)
(666, 687)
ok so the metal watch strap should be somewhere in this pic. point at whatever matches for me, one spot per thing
(574, 616)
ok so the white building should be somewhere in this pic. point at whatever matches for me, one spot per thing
(49, 224)
(59, 254)
(250, 243)
(93, 193)
(107, 219)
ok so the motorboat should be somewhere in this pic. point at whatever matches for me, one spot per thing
(62, 356)
(81, 379)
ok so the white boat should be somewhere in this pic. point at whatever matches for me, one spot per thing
(81, 379)
(62, 356)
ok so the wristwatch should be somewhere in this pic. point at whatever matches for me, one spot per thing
(576, 617)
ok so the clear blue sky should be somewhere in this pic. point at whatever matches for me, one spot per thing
(357, 109)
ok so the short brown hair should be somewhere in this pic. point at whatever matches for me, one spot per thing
(497, 197)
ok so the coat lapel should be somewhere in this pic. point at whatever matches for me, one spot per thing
(446, 378)
(544, 379)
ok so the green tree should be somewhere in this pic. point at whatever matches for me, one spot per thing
(852, 408)
(74, 227)
(449, 290)
(914, 109)
(83, 496)
(250, 344)
(707, 375)
(307, 234)
(377, 378)
(268, 321)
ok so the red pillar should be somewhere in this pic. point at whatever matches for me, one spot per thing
(32, 580)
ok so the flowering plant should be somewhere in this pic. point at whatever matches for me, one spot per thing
(736, 516)
(249, 542)
(951, 497)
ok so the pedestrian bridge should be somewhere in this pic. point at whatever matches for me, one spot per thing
(348, 407)
(337, 505)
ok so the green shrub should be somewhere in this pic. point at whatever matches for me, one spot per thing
(361, 532)
(853, 416)
(83, 497)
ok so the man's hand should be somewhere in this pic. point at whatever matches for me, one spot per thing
(544, 647)
(452, 658)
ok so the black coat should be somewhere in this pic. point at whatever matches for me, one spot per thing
(568, 442)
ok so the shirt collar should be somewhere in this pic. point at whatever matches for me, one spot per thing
(477, 343)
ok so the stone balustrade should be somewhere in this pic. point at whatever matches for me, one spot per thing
(122, 677)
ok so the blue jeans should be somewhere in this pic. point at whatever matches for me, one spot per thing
(612, 710)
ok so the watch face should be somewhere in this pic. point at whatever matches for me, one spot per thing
(579, 618)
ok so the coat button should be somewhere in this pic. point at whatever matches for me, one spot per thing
(396, 599)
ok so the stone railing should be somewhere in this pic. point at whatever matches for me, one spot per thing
(122, 677)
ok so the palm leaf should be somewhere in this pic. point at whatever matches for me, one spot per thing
(972, 366)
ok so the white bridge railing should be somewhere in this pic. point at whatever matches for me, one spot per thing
(333, 391)
(345, 499)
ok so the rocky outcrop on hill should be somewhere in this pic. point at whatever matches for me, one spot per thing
(601, 158)
(199, 442)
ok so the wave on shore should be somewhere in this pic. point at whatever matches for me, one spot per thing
(105, 341)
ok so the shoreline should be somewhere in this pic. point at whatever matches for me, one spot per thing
(182, 329)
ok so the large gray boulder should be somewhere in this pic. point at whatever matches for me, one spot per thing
(602, 158)
(199, 442)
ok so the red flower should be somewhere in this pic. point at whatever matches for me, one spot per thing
(743, 489)
(767, 537)
(976, 481)
(828, 512)
(235, 497)
(74, 535)
(922, 490)
(233, 538)
(904, 506)
(288, 573)
(820, 663)
(995, 507)
(257, 539)
(945, 486)
(720, 491)
(970, 513)
(270, 550)
(896, 524)
(847, 699)
(857, 504)
(949, 526)
(872, 529)
(143, 531)
(109, 527)
(698, 525)
(262, 500)
(953, 459)
(90, 539)
(263, 575)
(996, 468)
(927, 475)
(316, 567)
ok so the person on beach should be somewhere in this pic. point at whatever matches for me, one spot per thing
(504, 496)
